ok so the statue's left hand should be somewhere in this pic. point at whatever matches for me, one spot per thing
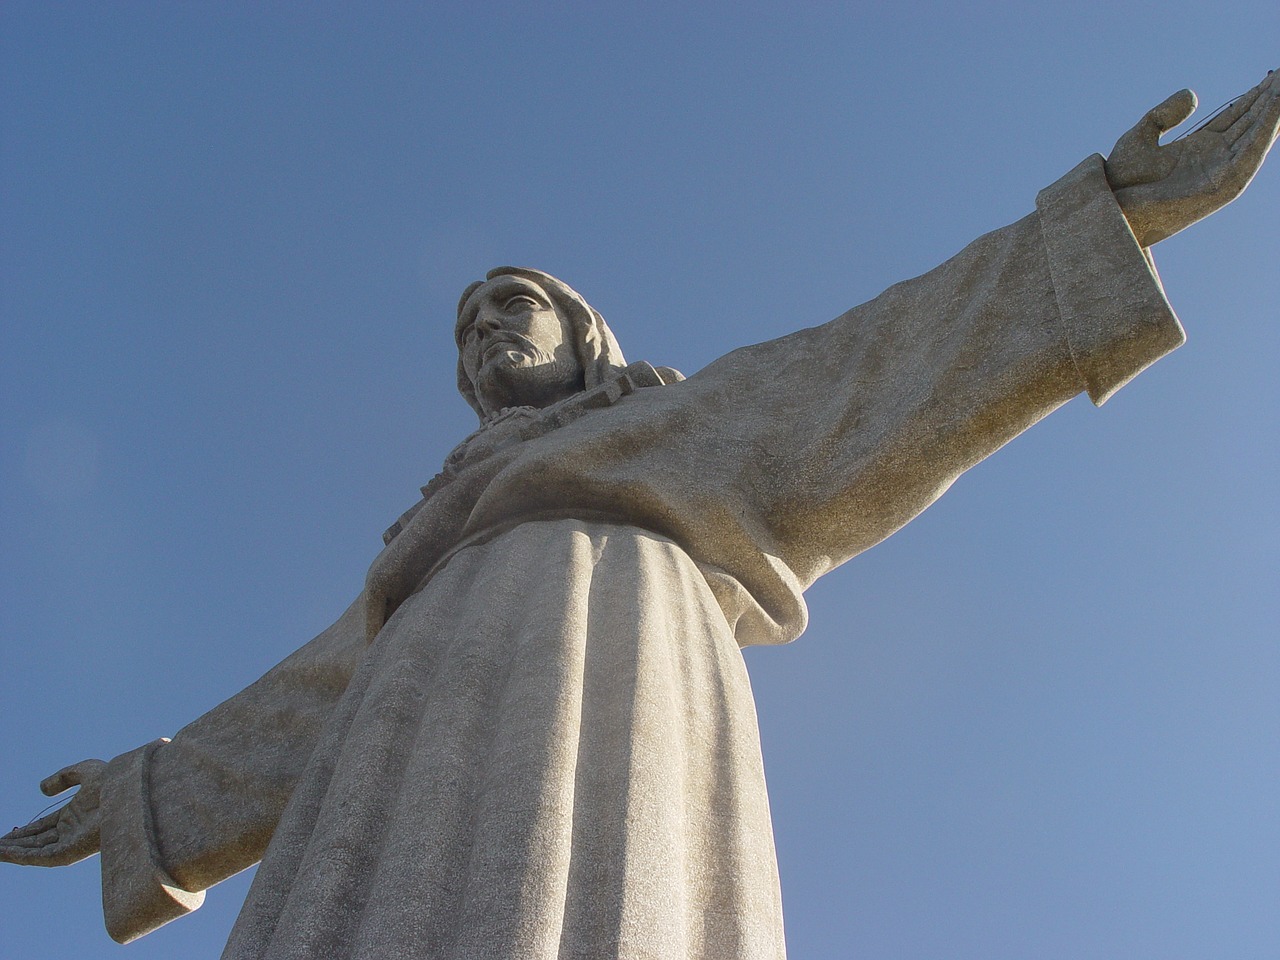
(71, 832)
(1164, 189)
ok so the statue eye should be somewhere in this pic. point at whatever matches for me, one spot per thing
(521, 301)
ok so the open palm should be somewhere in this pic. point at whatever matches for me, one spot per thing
(70, 833)
(1165, 188)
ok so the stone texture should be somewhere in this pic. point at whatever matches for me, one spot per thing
(532, 735)
(549, 748)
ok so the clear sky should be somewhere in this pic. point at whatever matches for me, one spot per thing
(1042, 721)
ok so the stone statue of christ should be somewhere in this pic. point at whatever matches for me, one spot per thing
(532, 734)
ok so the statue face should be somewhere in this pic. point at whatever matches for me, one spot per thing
(519, 350)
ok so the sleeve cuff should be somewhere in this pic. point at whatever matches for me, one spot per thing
(1115, 317)
(138, 895)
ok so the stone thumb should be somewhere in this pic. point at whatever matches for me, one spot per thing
(71, 776)
(1171, 112)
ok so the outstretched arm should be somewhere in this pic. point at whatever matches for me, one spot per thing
(175, 817)
(1163, 189)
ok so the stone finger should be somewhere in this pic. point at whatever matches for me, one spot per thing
(35, 842)
(69, 776)
(18, 855)
(34, 827)
(1238, 107)
(1260, 120)
(64, 779)
(1172, 111)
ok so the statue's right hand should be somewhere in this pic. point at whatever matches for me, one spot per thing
(70, 833)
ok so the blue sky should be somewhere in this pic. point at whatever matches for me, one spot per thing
(1042, 721)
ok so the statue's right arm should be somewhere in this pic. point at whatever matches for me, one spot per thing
(174, 817)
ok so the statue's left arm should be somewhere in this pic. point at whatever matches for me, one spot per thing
(813, 447)
(950, 366)
(858, 425)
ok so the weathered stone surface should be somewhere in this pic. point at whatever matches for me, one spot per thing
(550, 747)
(532, 734)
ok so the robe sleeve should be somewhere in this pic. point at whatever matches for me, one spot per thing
(865, 421)
(179, 816)
(782, 460)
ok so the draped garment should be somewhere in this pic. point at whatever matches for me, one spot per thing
(549, 747)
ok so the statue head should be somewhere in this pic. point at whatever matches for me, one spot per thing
(527, 339)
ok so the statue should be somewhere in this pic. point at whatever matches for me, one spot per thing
(532, 734)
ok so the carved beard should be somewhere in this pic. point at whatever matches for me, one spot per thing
(514, 372)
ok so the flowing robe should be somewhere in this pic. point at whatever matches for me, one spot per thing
(550, 749)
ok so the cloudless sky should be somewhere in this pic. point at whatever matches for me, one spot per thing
(1042, 721)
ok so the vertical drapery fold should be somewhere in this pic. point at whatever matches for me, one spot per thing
(551, 732)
